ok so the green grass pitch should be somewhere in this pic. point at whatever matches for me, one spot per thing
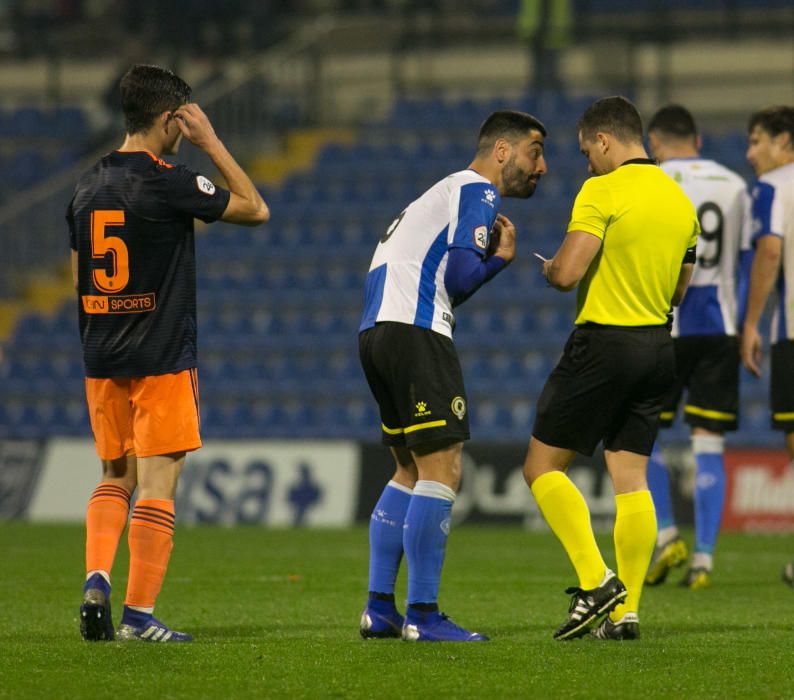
(275, 615)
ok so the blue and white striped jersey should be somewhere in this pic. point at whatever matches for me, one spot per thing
(405, 282)
(723, 208)
(773, 215)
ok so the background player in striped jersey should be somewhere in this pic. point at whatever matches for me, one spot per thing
(436, 253)
(133, 259)
(706, 343)
(771, 153)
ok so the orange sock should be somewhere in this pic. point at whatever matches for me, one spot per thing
(105, 520)
(151, 539)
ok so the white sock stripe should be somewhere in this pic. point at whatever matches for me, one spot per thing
(666, 535)
(400, 487)
(708, 444)
(434, 489)
(148, 611)
(104, 574)
(702, 560)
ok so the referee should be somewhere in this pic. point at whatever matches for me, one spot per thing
(630, 249)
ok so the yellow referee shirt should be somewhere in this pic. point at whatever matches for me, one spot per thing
(646, 224)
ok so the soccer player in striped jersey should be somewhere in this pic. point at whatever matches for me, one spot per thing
(434, 255)
(134, 264)
(771, 153)
(705, 340)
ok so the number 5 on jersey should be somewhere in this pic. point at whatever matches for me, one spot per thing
(102, 245)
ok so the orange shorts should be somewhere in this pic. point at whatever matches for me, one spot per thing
(146, 416)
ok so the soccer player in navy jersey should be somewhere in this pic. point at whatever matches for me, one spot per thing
(436, 253)
(133, 261)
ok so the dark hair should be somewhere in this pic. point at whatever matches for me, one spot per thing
(614, 115)
(146, 92)
(774, 120)
(675, 121)
(507, 124)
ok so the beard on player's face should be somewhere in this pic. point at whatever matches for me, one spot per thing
(516, 182)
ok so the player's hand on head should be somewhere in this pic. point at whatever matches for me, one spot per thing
(195, 125)
(503, 238)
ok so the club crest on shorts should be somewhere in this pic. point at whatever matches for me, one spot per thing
(459, 407)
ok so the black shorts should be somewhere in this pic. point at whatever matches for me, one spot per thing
(609, 385)
(781, 382)
(415, 377)
(707, 366)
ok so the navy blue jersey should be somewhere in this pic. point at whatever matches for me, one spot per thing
(131, 223)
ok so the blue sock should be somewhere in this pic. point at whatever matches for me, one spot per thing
(97, 581)
(425, 539)
(709, 490)
(136, 618)
(386, 537)
(659, 484)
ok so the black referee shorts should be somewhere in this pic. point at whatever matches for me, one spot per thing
(415, 377)
(707, 366)
(781, 382)
(609, 385)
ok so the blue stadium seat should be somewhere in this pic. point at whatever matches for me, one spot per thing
(279, 309)
(20, 420)
(536, 367)
(490, 417)
(332, 153)
(522, 415)
(25, 169)
(70, 123)
(28, 122)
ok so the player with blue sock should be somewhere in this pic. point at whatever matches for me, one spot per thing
(706, 343)
(434, 256)
(770, 152)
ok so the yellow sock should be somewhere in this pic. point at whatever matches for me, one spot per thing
(635, 537)
(566, 512)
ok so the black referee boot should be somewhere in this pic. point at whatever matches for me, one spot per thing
(588, 606)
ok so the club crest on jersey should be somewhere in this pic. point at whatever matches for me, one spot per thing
(481, 237)
(205, 185)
